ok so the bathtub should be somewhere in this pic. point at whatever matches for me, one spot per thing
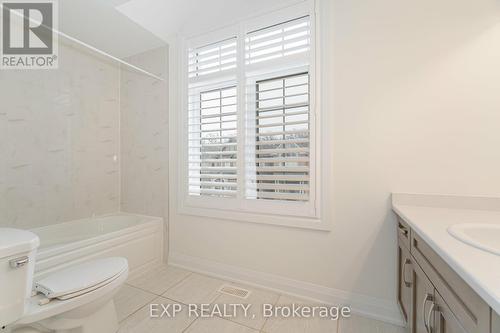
(138, 238)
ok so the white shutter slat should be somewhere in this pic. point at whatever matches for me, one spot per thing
(285, 123)
(213, 145)
(282, 142)
(282, 151)
(213, 184)
(283, 169)
(286, 106)
(259, 134)
(287, 178)
(218, 193)
(214, 168)
(278, 160)
(213, 160)
(288, 114)
(208, 176)
(285, 187)
(283, 196)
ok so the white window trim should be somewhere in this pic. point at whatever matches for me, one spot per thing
(306, 215)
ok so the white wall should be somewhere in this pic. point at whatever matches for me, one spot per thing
(413, 105)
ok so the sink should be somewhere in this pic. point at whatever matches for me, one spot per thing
(482, 236)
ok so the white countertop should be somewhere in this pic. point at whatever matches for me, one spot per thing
(430, 216)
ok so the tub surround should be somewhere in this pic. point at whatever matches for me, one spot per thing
(138, 238)
(56, 126)
(430, 216)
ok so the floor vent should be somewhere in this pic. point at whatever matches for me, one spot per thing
(234, 291)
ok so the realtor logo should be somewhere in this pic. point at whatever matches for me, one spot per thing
(28, 37)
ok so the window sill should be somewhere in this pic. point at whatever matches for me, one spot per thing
(267, 219)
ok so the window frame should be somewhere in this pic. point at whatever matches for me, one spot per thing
(277, 212)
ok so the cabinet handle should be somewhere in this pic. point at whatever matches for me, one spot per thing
(429, 314)
(407, 284)
(403, 229)
(427, 298)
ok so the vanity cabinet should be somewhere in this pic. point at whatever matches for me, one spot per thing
(432, 297)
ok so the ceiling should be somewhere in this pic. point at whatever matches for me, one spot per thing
(127, 27)
(99, 24)
(166, 18)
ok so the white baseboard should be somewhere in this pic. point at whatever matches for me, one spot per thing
(375, 308)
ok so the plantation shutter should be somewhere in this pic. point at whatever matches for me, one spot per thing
(212, 120)
(278, 112)
(281, 41)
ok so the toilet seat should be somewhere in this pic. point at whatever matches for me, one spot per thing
(76, 298)
(81, 279)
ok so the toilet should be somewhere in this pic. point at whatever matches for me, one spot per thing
(77, 299)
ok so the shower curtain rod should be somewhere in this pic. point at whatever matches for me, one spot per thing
(95, 49)
(101, 52)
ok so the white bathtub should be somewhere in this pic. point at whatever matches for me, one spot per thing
(136, 237)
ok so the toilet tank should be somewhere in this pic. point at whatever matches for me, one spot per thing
(17, 264)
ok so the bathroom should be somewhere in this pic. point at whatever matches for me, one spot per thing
(250, 166)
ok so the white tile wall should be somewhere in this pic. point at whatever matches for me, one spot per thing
(144, 135)
(59, 132)
(60, 135)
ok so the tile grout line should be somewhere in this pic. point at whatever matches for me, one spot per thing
(177, 283)
(139, 308)
(267, 319)
(152, 292)
(190, 324)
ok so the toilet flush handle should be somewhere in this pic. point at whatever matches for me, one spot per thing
(19, 262)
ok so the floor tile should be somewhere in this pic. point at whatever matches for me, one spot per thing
(255, 300)
(358, 324)
(217, 325)
(195, 289)
(316, 324)
(130, 299)
(142, 322)
(159, 279)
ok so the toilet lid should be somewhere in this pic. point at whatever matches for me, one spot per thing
(82, 278)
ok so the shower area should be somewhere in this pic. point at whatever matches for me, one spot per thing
(90, 138)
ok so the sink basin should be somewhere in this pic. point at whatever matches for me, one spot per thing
(482, 236)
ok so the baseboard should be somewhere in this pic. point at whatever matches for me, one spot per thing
(366, 306)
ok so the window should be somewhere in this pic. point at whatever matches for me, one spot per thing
(282, 139)
(250, 130)
(213, 144)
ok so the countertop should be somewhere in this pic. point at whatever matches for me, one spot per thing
(431, 215)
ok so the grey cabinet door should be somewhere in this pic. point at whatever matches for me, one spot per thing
(445, 321)
(495, 325)
(404, 281)
(422, 300)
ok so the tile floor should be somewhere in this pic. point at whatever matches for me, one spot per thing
(175, 287)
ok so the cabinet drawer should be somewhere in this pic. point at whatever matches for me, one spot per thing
(404, 233)
(471, 311)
